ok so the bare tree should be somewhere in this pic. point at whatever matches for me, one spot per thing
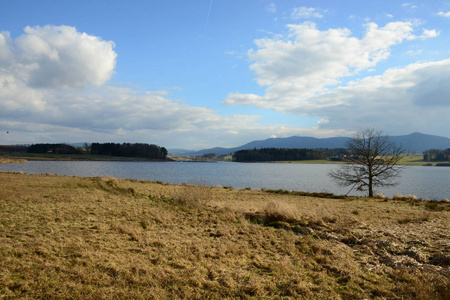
(373, 162)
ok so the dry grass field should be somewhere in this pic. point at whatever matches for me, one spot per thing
(104, 238)
(9, 160)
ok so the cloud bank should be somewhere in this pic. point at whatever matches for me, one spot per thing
(52, 87)
(305, 73)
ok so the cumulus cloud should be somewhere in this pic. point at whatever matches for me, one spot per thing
(305, 13)
(429, 34)
(272, 8)
(414, 52)
(409, 5)
(66, 58)
(51, 90)
(5, 48)
(108, 114)
(303, 72)
(444, 14)
(307, 61)
(45, 61)
(413, 98)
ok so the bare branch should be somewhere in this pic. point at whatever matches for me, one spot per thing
(374, 162)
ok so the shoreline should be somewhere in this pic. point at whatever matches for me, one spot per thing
(24, 158)
(410, 160)
(69, 157)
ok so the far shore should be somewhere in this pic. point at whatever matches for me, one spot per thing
(408, 160)
(21, 157)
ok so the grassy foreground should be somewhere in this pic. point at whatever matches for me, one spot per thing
(105, 238)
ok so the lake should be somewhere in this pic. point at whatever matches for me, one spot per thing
(424, 182)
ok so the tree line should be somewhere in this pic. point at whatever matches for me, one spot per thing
(436, 155)
(53, 148)
(125, 150)
(279, 154)
(13, 149)
(129, 150)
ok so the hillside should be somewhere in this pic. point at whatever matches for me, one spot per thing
(105, 238)
(415, 142)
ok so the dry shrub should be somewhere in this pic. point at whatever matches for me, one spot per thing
(434, 205)
(229, 214)
(405, 220)
(109, 179)
(11, 160)
(193, 195)
(133, 232)
(421, 285)
(111, 185)
(280, 212)
(405, 197)
(381, 196)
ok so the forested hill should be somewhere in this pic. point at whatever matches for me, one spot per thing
(415, 142)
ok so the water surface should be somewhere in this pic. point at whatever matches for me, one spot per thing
(424, 182)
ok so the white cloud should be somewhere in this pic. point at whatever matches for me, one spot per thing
(65, 58)
(444, 14)
(429, 34)
(57, 57)
(299, 69)
(120, 115)
(409, 5)
(413, 98)
(307, 61)
(272, 8)
(414, 52)
(305, 13)
(116, 114)
(5, 48)
(44, 60)
(303, 71)
(51, 91)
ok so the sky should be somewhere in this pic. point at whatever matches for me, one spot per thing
(196, 74)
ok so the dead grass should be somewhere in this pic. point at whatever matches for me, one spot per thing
(105, 238)
(280, 212)
(193, 195)
(405, 197)
(6, 160)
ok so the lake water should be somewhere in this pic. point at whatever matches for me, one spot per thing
(424, 182)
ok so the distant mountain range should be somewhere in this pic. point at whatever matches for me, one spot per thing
(414, 142)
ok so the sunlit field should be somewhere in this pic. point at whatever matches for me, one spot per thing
(105, 238)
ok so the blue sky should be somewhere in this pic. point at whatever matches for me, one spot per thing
(205, 73)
